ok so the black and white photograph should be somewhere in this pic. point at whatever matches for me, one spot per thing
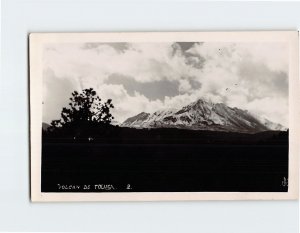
(205, 114)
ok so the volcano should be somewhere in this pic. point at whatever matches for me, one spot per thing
(204, 115)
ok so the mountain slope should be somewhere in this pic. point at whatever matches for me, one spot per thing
(203, 115)
(45, 126)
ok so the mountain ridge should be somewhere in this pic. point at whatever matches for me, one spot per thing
(203, 115)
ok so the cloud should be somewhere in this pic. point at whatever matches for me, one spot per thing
(150, 76)
(56, 94)
(118, 46)
(246, 75)
(272, 108)
(152, 90)
(143, 62)
(127, 105)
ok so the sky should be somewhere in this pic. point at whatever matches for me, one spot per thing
(146, 77)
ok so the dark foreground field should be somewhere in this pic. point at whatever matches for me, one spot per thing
(256, 164)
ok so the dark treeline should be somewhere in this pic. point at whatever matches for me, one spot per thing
(123, 135)
(166, 160)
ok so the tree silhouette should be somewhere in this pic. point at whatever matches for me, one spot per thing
(84, 116)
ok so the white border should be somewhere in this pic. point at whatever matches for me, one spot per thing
(36, 43)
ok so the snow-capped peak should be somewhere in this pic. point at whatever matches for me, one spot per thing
(203, 115)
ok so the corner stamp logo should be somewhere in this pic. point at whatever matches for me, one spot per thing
(285, 182)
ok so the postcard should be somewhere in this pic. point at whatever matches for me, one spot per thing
(163, 116)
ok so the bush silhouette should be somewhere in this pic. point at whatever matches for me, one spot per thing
(86, 116)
